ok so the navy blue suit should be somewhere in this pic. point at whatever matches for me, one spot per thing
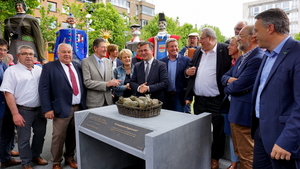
(241, 89)
(180, 81)
(157, 79)
(55, 89)
(279, 114)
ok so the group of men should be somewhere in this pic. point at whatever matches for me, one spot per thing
(262, 87)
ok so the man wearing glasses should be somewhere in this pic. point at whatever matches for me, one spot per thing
(208, 65)
(193, 44)
(20, 83)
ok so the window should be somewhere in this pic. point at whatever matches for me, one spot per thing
(137, 10)
(286, 6)
(120, 3)
(263, 8)
(65, 9)
(278, 5)
(128, 7)
(256, 10)
(144, 22)
(52, 6)
(147, 10)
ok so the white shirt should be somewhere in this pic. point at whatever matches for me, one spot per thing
(114, 63)
(75, 99)
(206, 77)
(23, 84)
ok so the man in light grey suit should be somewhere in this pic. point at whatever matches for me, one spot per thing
(98, 76)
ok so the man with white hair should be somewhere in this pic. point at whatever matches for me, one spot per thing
(209, 64)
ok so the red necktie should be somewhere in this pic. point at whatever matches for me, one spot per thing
(73, 81)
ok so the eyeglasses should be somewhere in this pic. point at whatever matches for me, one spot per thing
(27, 54)
(203, 38)
(192, 37)
(3, 50)
(238, 29)
(241, 36)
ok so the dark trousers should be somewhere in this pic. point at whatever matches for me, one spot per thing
(212, 105)
(7, 133)
(263, 160)
(172, 102)
(36, 121)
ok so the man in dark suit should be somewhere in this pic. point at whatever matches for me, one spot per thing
(208, 65)
(238, 82)
(276, 94)
(150, 75)
(62, 93)
(176, 65)
(6, 121)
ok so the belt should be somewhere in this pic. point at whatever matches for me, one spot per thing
(75, 105)
(207, 96)
(28, 108)
(172, 92)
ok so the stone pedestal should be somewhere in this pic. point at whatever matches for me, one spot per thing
(175, 141)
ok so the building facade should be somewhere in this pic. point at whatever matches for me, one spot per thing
(291, 7)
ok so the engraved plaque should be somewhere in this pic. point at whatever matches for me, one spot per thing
(129, 134)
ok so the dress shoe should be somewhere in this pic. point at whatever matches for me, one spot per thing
(39, 161)
(232, 167)
(214, 164)
(56, 166)
(14, 153)
(72, 163)
(27, 167)
(12, 162)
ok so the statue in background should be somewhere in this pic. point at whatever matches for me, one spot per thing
(75, 37)
(160, 39)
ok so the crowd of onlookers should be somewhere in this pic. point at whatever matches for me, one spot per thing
(249, 85)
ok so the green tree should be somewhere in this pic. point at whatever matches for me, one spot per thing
(297, 36)
(220, 37)
(48, 25)
(105, 16)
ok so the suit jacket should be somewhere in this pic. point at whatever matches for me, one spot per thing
(180, 81)
(2, 98)
(279, 119)
(76, 38)
(56, 91)
(157, 79)
(95, 82)
(223, 65)
(241, 89)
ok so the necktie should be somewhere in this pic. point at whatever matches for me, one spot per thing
(73, 81)
(146, 71)
(101, 65)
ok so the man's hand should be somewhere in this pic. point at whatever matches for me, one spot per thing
(143, 88)
(49, 114)
(18, 120)
(187, 102)
(191, 71)
(231, 79)
(128, 86)
(113, 82)
(279, 153)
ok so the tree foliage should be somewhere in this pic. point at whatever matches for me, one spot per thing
(297, 36)
(48, 25)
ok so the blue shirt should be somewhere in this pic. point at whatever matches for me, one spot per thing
(172, 74)
(271, 58)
